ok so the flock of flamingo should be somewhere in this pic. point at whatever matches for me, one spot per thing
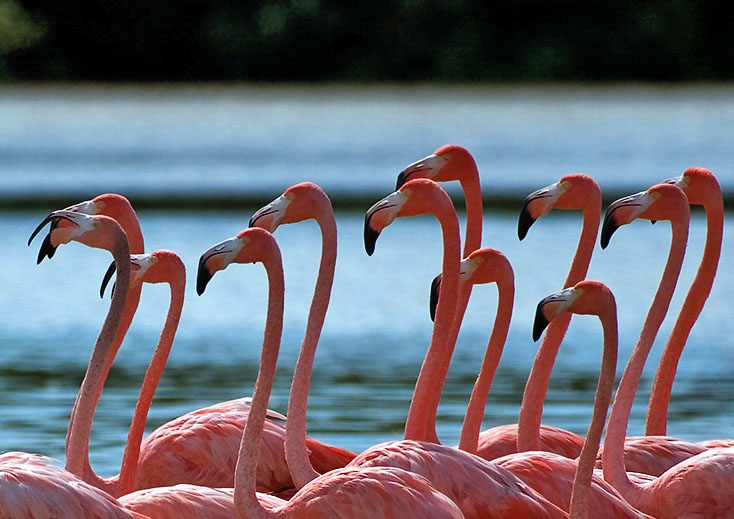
(236, 459)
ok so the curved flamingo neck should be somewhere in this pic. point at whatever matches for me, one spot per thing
(150, 383)
(472, 426)
(296, 453)
(536, 388)
(125, 216)
(613, 454)
(657, 410)
(77, 453)
(579, 507)
(433, 371)
(473, 195)
(245, 498)
(472, 241)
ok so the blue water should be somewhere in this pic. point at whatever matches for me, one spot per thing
(188, 141)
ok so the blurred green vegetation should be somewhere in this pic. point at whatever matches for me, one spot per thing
(326, 40)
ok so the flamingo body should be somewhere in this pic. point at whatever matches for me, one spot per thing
(654, 455)
(502, 440)
(700, 487)
(552, 475)
(479, 488)
(31, 487)
(200, 448)
(189, 501)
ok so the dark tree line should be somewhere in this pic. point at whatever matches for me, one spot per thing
(328, 40)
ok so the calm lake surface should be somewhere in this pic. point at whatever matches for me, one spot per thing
(259, 140)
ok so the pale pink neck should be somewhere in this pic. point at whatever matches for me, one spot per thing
(657, 409)
(433, 371)
(536, 388)
(579, 508)
(150, 383)
(130, 224)
(77, 454)
(475, 409)
(472, 241)
(245, 498)
(296, 453)
(473, 196)
(613, 454)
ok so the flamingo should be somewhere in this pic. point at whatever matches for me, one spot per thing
(654, 454)
(301, 202)
(478, 487)
(701, 188)
(118, 208)
(572, 484)
(700, 486)
(447, 163)
(341, 493)
(30, 486)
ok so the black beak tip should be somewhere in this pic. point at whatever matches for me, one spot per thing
(540, 324)
(524, 222)
(402, 177)
(252, 221)
(106, 279)
(435, 290)
(38, 228)
(608, 228)
(202, 277)
(370, 236)
(46, 250)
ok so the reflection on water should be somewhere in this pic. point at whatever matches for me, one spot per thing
(373, 342)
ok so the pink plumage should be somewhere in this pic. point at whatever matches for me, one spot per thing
(31, 486)
(480, 489)
(502, 440)
(200, 448)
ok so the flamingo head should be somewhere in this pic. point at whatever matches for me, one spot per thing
(586, 297)
(299, 202)
(699, 185)
(161, 266)
(250, 245)
(660, 202)
(575, 191)
(94, 231)
(482, 266)
(414, 198)
(450, 162)
(109, 204)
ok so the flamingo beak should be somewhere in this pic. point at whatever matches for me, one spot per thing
(106, 279)
(87, 207)
(427, 167)
(269, 216)
(622, 212)
(536, 204)
(551, 307)
(379, 216)
(435, 290)
(215, 259)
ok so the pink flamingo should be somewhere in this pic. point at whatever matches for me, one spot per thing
(479, 488)
(572, 192)
(448, 163)
(572, 484)
(700, 486)
(118, 208)
(347, 493)
(654, 454)
(29, 485)
(701, 188)
(301, 202)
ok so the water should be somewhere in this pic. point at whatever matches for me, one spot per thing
(189, 141)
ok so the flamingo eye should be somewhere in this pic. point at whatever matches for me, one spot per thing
(565, 184)
(478, 260)
(290, 197)
(654, 196)
(100, 206)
